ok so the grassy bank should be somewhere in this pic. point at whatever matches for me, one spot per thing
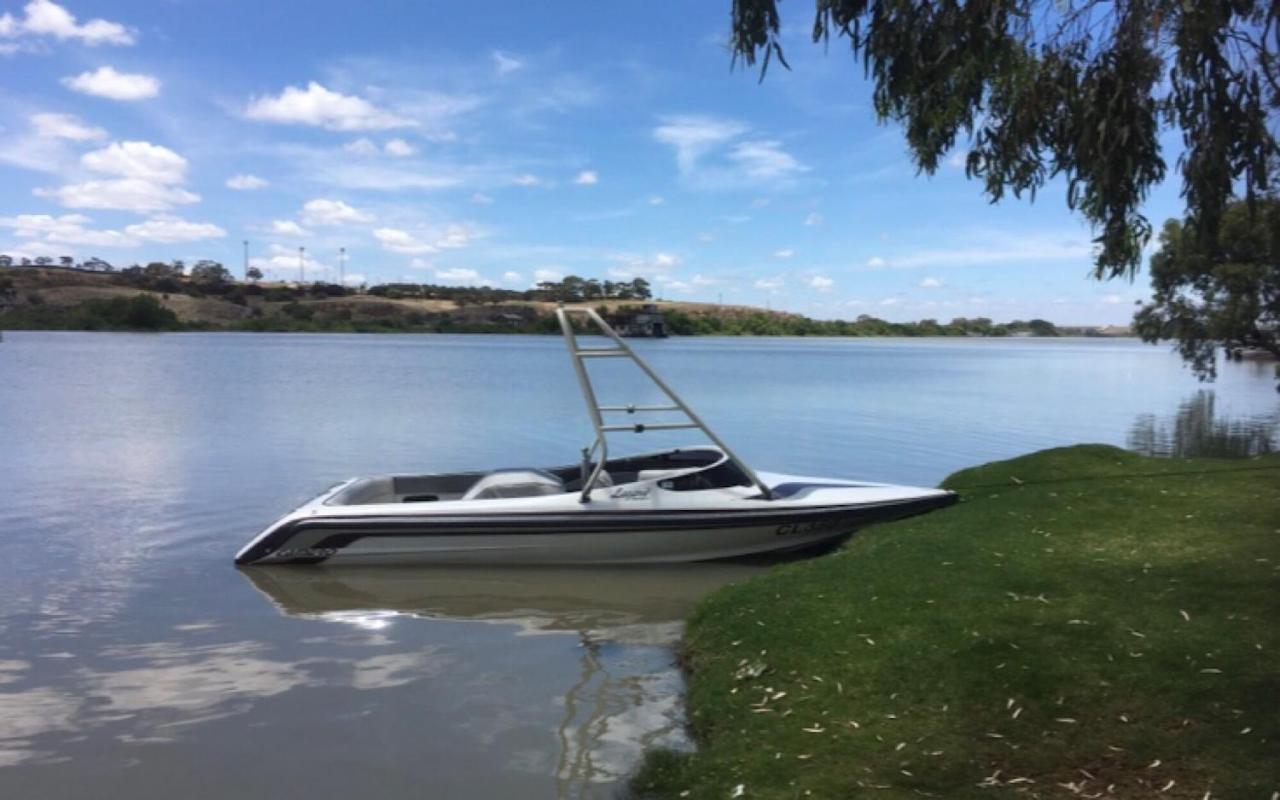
(1086, 623)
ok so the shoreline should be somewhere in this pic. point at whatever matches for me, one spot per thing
(51, 298)
(1087, 621)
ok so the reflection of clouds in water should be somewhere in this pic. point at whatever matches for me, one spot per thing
(177, 685)
(26, 715)
(197, 626)
(625, 701)
(654, 720)
(364, 620)
(36, 711)
(396, 669)
(12, 669)
(181, 680)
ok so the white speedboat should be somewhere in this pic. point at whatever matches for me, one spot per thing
(684, 504)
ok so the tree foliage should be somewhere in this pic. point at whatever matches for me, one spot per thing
(1076, 88)
(1225, 292)
(206, 271)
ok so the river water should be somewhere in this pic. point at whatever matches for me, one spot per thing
(135, 661)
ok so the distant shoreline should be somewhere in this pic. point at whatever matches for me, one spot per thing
(897, 338)
(59, 298)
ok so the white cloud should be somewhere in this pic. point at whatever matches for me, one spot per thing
(544, 275)
(930, 283)
(398, 241)
(512, 277)
(283, 265)
(322, 211)
(703, 280)
(783, 253)
(361, 147)
(736, 219)
(995, 247)
(891, 301)
(454, 236)
(770, 284)
(376, 176)
(174, 229)
(1112, 299)
(814, 219)
(710, 155)
(322, 107)
(481, 199)
(46, 18)
(245, 182)
(68, 229)
(875, 262)
(367, 147)
(141, 160)
(632, 265)
(65, 126)
(588, 177)
(399, 148)
(124, 194)
(106, 82)
(287, 227)
(656, 200)
(505, 64)
(527, 179)
(450, 237)
(820, 282)
(766, 160)
(957, 159)
(463, 276)
(692, 136)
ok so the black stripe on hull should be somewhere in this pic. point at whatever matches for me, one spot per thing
(344, 531)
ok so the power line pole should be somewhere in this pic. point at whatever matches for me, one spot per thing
(302, 269)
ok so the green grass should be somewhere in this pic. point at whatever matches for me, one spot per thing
(1086, 622)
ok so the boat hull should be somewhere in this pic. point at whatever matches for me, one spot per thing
(571, 538)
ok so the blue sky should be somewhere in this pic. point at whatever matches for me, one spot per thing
(505, 143)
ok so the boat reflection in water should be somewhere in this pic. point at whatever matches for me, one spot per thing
(625, 695)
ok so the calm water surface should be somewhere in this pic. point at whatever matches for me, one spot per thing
(135, 661)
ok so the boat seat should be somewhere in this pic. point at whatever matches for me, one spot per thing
(603, 481)
(506, 483)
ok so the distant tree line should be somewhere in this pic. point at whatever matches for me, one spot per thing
(571, 289)
(764, 323)
(211, 277)
(480, 308)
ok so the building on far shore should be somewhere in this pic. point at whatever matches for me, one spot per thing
(645, 321)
